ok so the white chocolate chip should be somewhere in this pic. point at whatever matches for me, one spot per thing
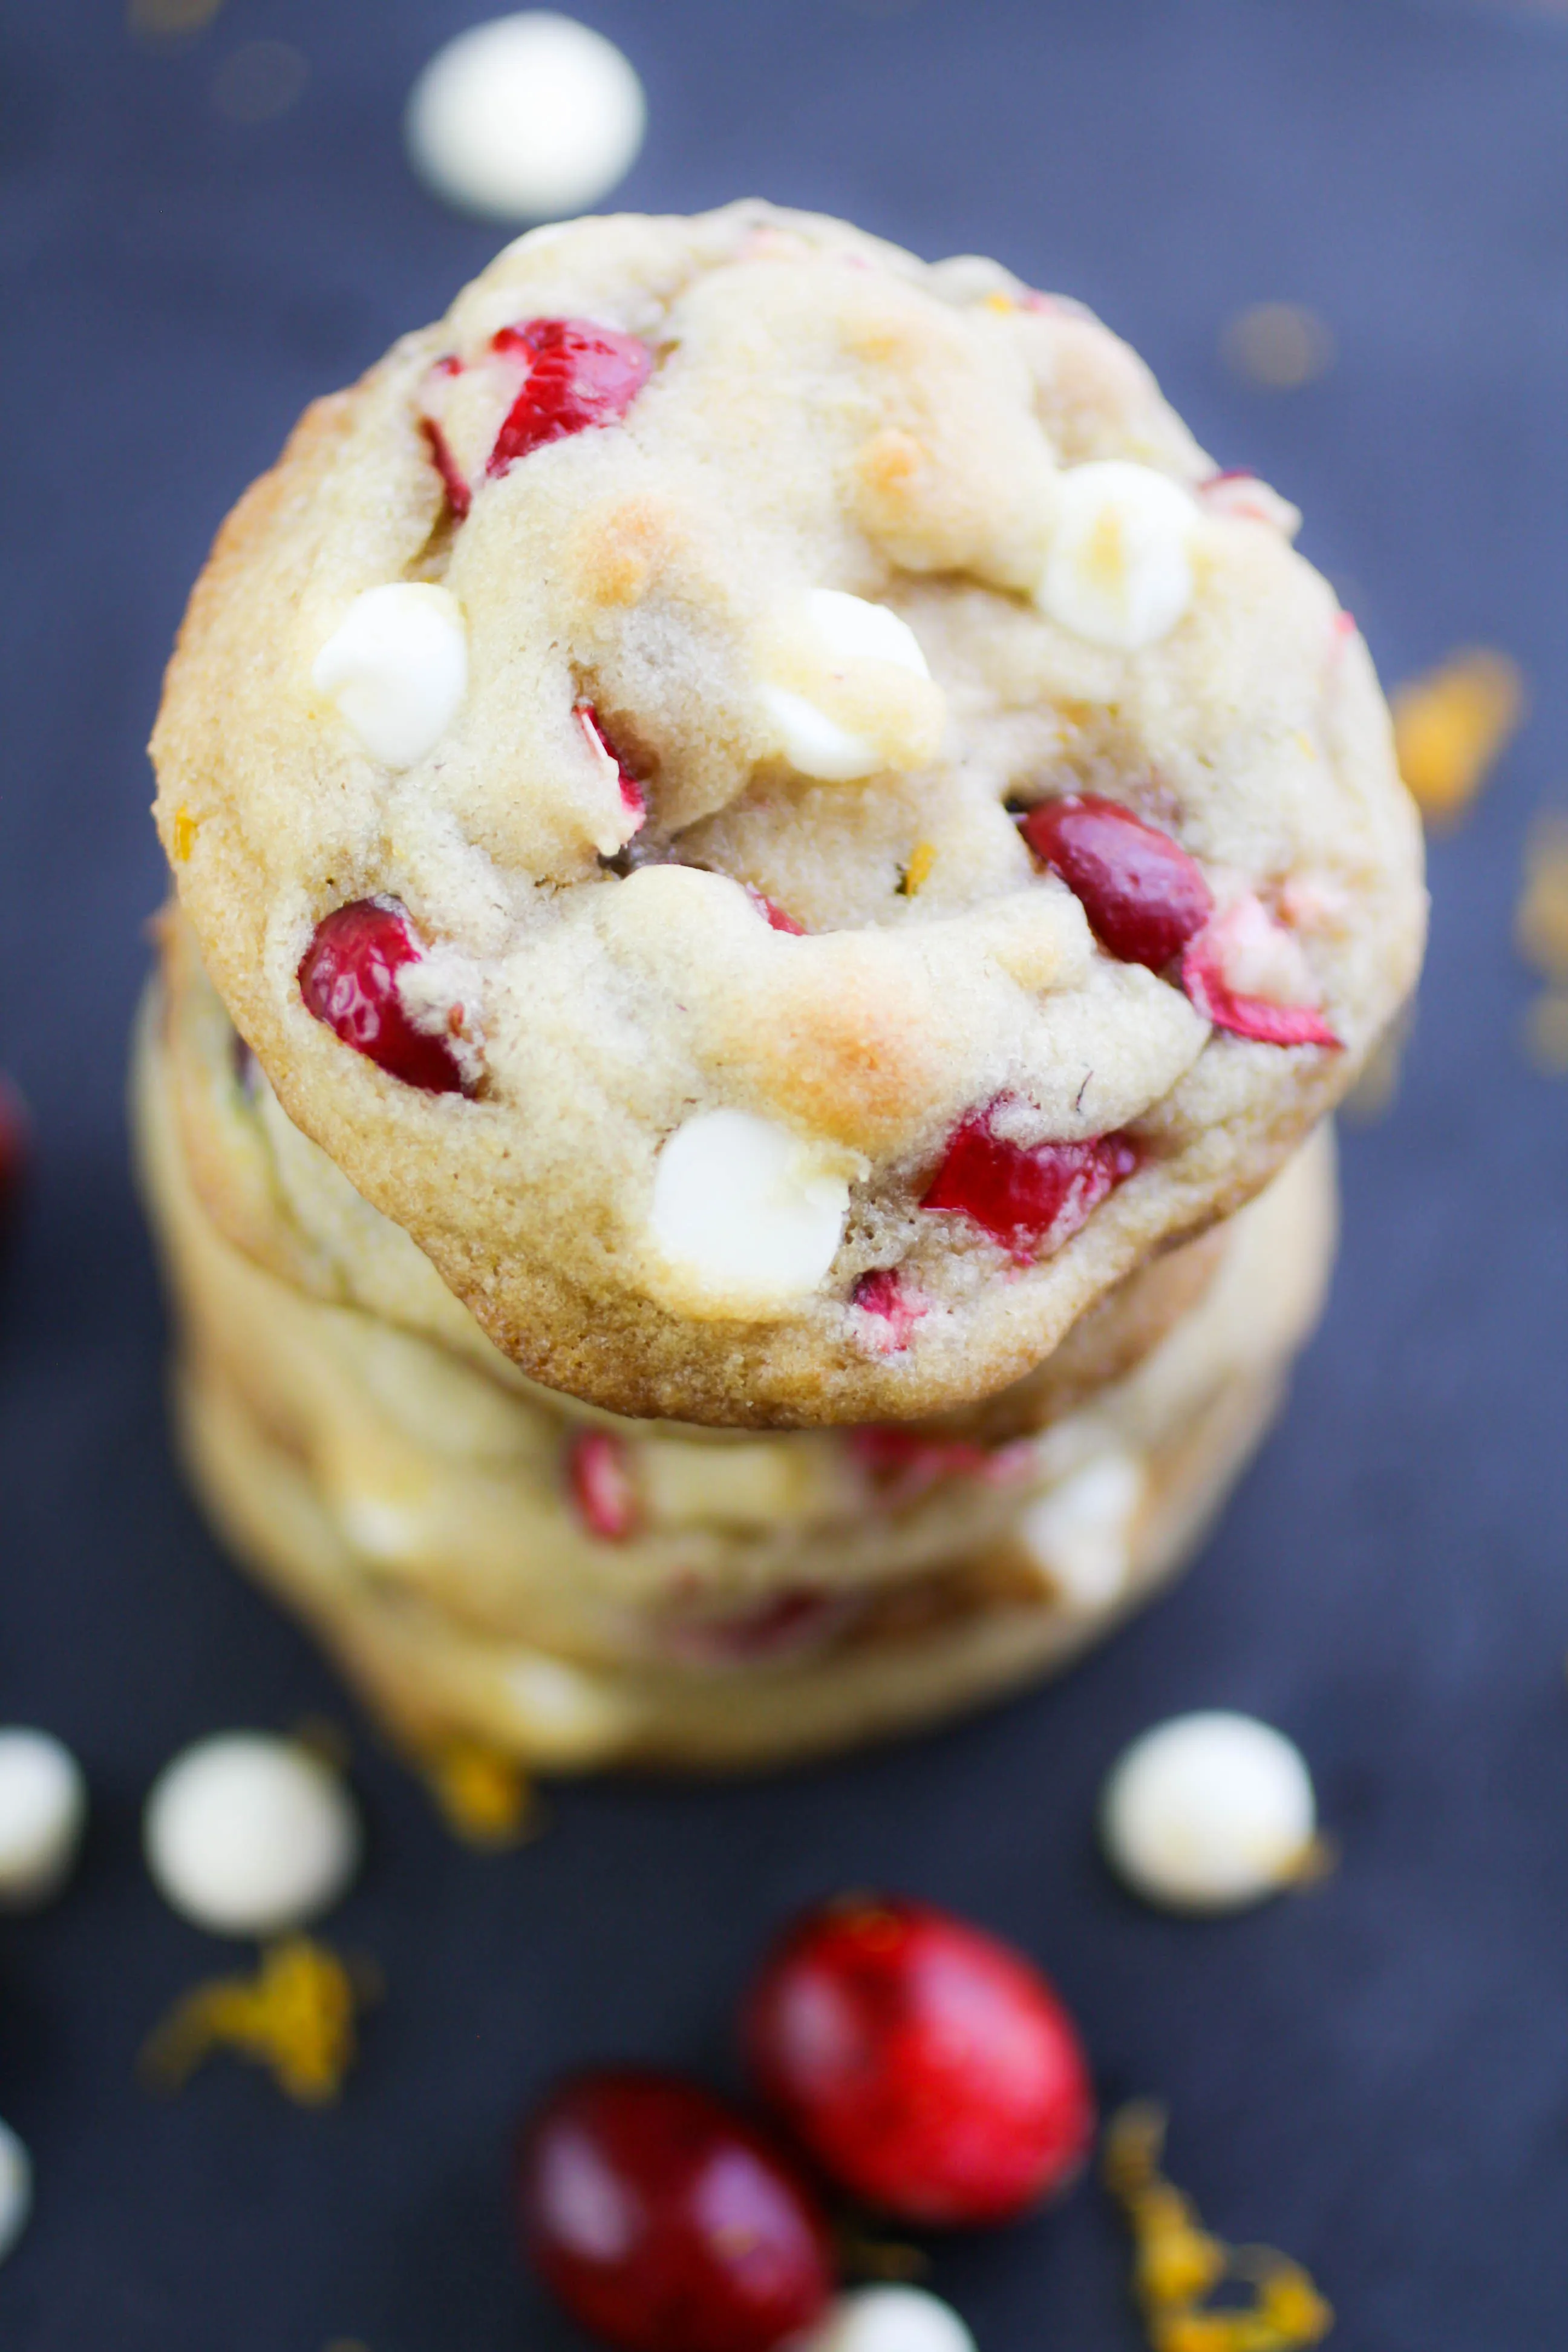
(396, 667)
(889, 2319)
(1209, 1813)
(1081, 1531)
(249, 1835)
(1120, 569)
(747, 1216)
(840, 696)
(528, 118)
(43, 1810)
(16, 2189)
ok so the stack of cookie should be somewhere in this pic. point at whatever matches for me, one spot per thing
(775, 879)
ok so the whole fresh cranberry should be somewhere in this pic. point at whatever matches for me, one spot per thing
(348, 978)
(15, 1141)
(1143, 894)
(927, 2067)
(1028, 1196)
(665, 2222)
(579, 374)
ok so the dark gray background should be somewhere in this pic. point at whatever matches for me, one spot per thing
(1374, 2075)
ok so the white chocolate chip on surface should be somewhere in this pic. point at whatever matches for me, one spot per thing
(396, 667)
(1081, 1530)
(16, 2189)
(247, 1834)
(1210, 1811)
(889, 2319)
(747, 1216)
(530, 117)
(1120, 569)
(851, 693)
(43, 1812)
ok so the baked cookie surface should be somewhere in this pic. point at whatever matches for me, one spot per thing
(763, 802)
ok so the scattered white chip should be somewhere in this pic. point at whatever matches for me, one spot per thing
(1120, 569)
(890, 2319)
(396, 667)
(1081, 1530)
(1209, 1813)
(529, 117)
(15, 2189)
(43, 1810)
(832, 636)
(747, 1216)
(247, 1834)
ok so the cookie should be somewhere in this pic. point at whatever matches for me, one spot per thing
(910, 1656)
(765, 804)
(277, 1197)
(672, 1554)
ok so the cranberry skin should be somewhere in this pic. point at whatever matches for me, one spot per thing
(927, 2067)
(1145, 897)
(884, 1296)
(579, 374)
(1024, 1195)
(600, 1479)
(665, 2222)
(348, 978)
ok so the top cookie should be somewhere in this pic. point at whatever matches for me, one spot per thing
(766, 802)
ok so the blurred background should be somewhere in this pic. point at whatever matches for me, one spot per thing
(1339, 231)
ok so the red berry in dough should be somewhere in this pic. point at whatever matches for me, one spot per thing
(633, 800)
(1143, 894)
(772, 914)
(665, 2222)
(348, 978)
(925, 2066)
(601, 1483)
(1223, 949)
(894, 1308)
(1030, 1197)
(579, 374)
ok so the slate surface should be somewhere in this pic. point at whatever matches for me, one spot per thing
(1373, 2076)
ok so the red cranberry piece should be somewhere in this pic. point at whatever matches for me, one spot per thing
(927, 2067)
(901, 1464)
(601, 1482)
(784, 1627)
(886, 1296)
(1257, 1017)
(348, 978)
(1145, 897)
(774, 916)
(16, 1144)
(1027, 1196)
(459, 498)
(633, 800)
(665, 2222)
(578, 374)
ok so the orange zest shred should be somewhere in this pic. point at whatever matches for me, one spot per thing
(485, 1797)
(1178, 2265)
(295, 2016)
(185, 826)
(1540, 935)
(1451, 725)
(917, 873)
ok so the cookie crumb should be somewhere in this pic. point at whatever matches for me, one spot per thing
(1178, 2265)
(485, 1797)
(1452, 725)
(1279, 345)
(295, 2016)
